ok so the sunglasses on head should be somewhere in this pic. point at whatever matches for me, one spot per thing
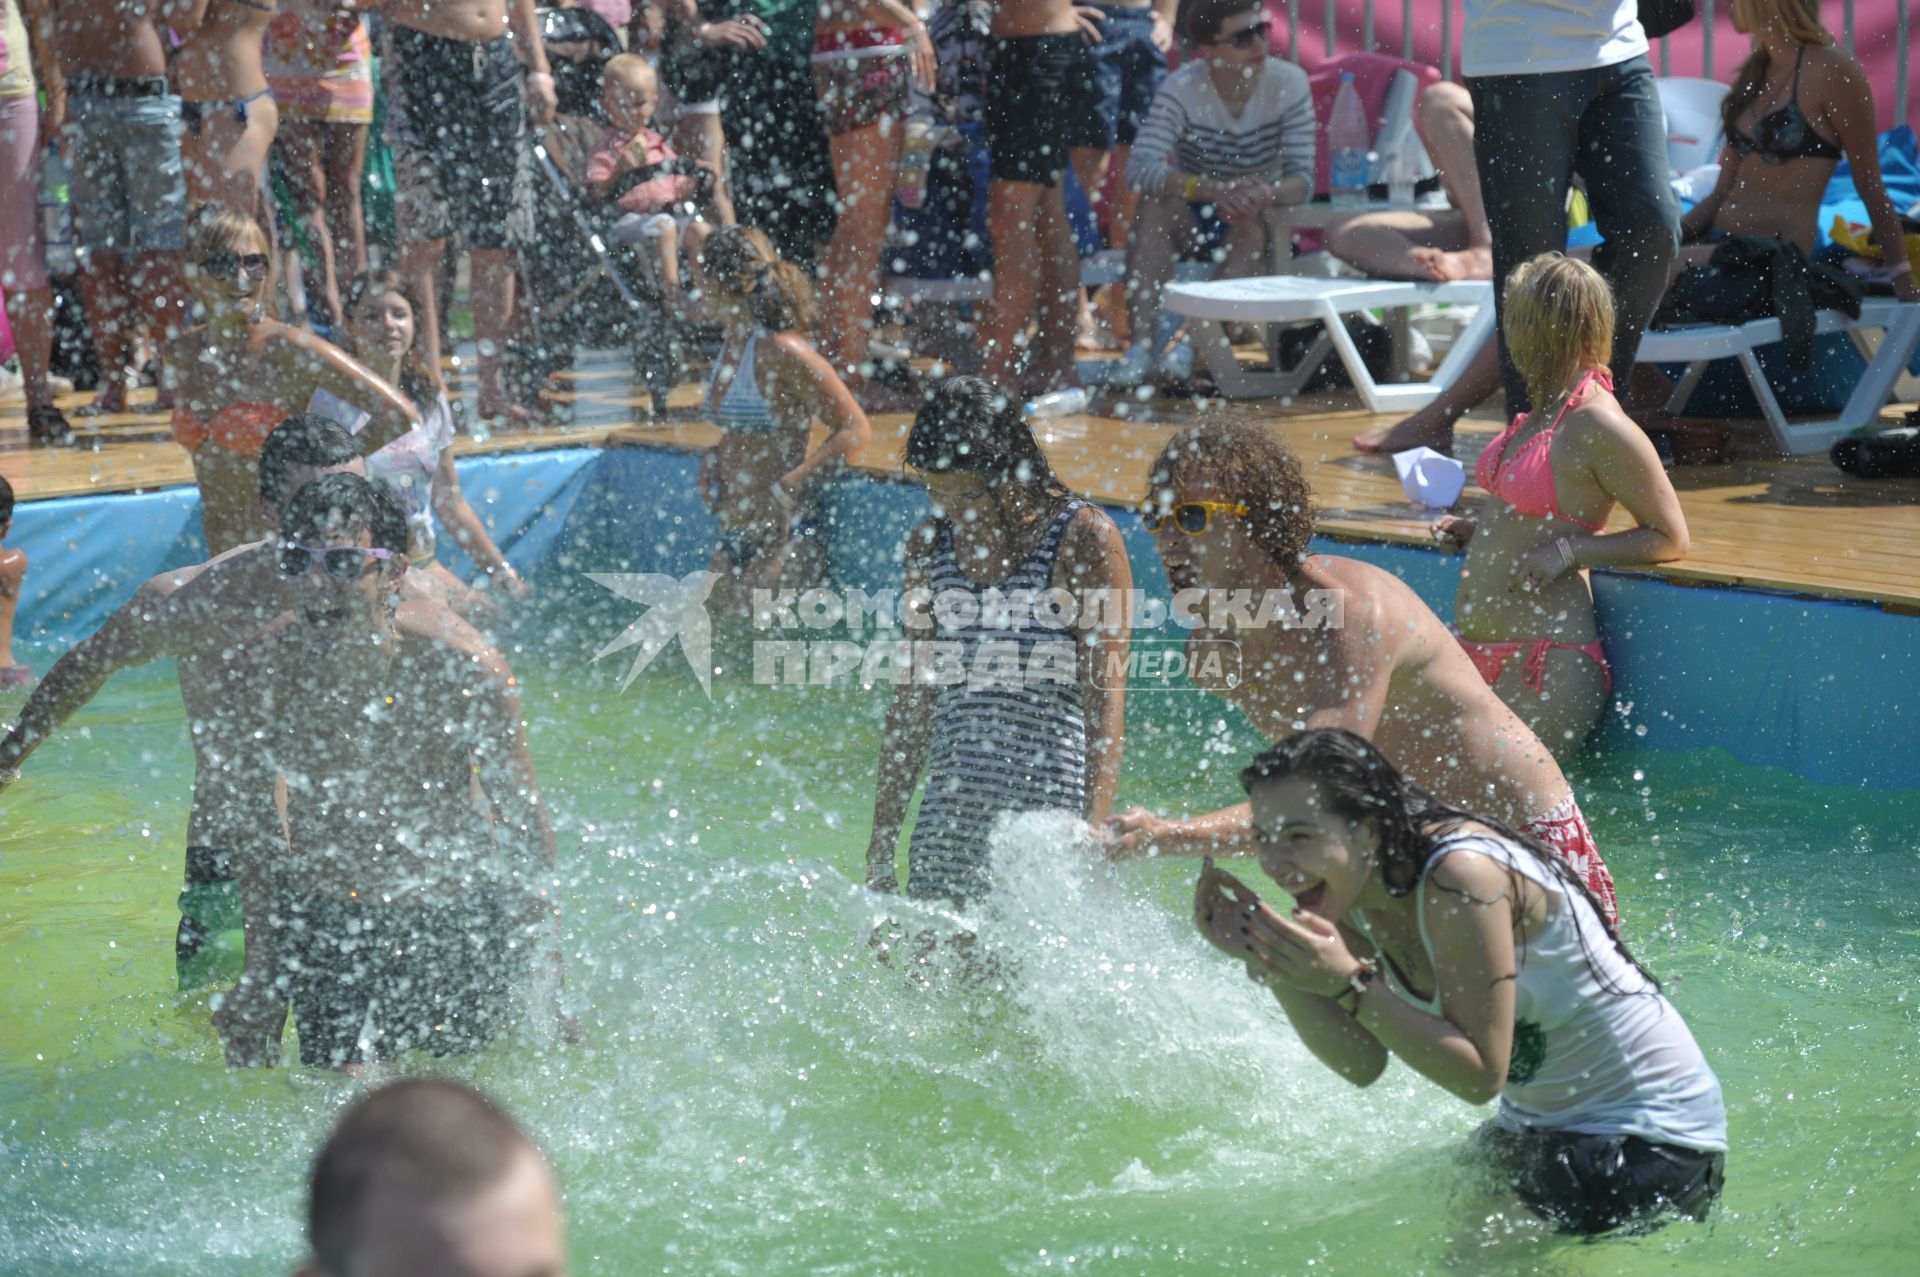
(1191, 517)
(227, 265)
(1246, 37)
(342, 562)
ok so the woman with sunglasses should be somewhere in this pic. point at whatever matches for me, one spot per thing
(241, 373)
(1027, 717)
(418, 466)
(1231, 131)
(1467, 949)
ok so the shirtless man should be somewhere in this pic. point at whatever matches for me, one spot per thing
(119, 130)
(200, 615)
(455, 117)
(1043, 102)
(1237, 515)
(395, 901)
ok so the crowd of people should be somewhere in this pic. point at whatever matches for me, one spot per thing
(1450, 905)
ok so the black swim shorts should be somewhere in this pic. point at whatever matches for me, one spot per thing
(1043, 103)
(455, 119)
(1592, 1184)
(370, 981)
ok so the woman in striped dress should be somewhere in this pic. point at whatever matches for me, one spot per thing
(1012, 707)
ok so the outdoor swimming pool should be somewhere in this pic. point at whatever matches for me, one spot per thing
(758, 1095)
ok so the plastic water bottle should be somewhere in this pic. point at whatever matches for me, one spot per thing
(1060, 403)
(916, 160)
(56, 214)
(1348, 141)
(1400, 176)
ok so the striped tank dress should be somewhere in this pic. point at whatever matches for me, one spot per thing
(1003, 739)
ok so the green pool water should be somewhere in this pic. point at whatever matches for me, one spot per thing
(759, 1096)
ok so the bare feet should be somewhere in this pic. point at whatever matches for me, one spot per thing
(1440, 265)
(109, 401)
(1428, 428)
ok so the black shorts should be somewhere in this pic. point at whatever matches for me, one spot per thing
(455, 119)
(1592, 1184)
(1043, 103)
(369, 981)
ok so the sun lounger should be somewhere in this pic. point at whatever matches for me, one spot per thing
(1280, 299)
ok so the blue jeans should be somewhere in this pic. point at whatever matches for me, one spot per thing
(1532, 133)
(1130, 70)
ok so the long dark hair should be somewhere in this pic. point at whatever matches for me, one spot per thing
(1358, 781)
(970, 424)
(416, 380)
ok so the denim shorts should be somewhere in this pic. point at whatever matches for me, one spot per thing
(1129, 69)
(129, 191)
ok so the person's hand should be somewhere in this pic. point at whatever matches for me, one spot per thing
(55, 115)
(1538, 568)
(880, 874)
(1162, 35)
(505, 578)
(745, 32)
(1228, 913)
(1243, 197)
(1089, 20)
(1453, 532)
(542, 102)
(1303, 950)
(250, 1019)
(920, 57)
(1131, 834)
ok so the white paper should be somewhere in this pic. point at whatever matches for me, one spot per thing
(1432, 480)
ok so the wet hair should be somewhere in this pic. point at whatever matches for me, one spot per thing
(215, 228)
(1558, 320)
(6, 502)
(309, 440)
(624, 66)
(360, 504)
(1206, 17)
(1801, 18)
(1251, 466)
(425, 1140)
(741, 262)
(1358, 781)
(416, 379)
(969, 424)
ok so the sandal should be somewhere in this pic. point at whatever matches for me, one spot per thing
(47, 424)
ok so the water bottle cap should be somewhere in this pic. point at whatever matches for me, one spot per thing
(1345, 76)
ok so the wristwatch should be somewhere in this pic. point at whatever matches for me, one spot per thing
(1357, 984)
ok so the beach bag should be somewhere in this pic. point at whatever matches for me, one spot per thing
(1753, 277)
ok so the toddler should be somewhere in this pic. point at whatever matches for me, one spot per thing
(635, 168)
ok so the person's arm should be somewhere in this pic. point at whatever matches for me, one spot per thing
(1229, 915)
(1150, 168)
(1853, 120)
(146, 628)
(524, 25)
(1620, 460)
(504, 768)
(1166, 13)
(904, 740)
(806, 375)
(324, 366)
(1699, 219)
(1297, 147)
(251, 1017)
(1094, 559)
(1468, 902)
(450, 503)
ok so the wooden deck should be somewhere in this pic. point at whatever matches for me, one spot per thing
(1793, 524)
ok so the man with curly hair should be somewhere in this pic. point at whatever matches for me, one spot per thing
(1231, 511)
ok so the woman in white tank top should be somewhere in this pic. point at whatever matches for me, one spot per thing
(1464, 948)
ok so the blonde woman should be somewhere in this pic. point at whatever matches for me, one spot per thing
(767, 388)
(239, 373)
(1524, 607)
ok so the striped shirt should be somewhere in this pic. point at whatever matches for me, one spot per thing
(1000, 743)
(1189, 130)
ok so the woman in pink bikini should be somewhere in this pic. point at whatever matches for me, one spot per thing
(1524, 609)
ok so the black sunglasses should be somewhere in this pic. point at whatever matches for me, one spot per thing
(343, 563)
(1245, 37)
(227, 265)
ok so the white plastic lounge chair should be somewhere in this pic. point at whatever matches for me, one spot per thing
(1277, 299)
(1108, 266)
(1694, 131)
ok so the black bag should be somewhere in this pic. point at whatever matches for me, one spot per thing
(1664, 17)
(1371, 339)
(1884, 454)
(1753, 277)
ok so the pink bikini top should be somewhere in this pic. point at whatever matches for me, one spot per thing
(1525, 480)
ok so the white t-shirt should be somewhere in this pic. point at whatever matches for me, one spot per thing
(1540, 37)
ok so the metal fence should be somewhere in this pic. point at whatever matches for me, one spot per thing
(1449, 61)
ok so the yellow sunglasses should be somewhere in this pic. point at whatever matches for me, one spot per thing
(1191, 517)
